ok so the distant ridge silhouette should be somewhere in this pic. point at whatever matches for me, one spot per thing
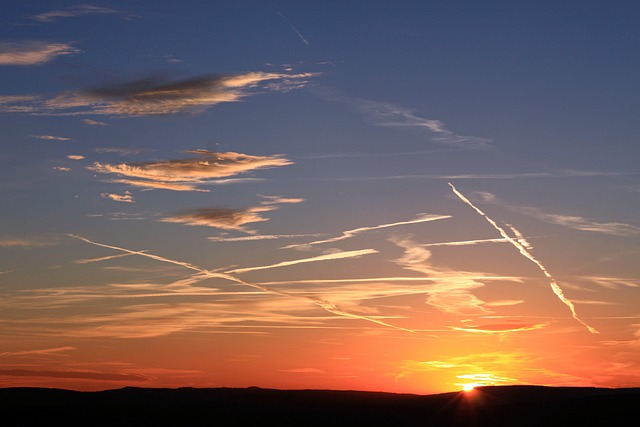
(485, 406)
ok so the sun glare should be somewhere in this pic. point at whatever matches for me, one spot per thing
(469, 387)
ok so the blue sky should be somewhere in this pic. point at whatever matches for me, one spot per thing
(257, 179)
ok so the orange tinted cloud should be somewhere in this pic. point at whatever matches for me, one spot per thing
(227, 219)
(33, 52)
(185, 174)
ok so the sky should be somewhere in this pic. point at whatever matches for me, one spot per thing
(400, 196)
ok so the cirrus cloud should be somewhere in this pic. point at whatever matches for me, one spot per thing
(186, 174)
(227, 219)
(33, 52)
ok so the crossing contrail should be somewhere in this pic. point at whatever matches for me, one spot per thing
(350, 233)
(523, 250)
(320, 302)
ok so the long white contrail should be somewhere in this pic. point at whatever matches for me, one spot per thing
(326, 257)
(523, 250)
(320, 302)
(350, 233)
(464, 242)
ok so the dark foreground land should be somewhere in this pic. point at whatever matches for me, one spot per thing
(485, 406)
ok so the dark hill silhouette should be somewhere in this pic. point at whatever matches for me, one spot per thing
(485, 406)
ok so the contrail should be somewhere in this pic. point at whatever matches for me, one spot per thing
(322, 303)
(104, 258)
(295, 30)
(523, 250)
(327, 257)
(350, 233)
(464, 242)
(521, 239)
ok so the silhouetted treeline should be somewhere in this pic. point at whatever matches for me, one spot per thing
(486, 406)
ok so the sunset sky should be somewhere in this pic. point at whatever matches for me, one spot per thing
(402, 196)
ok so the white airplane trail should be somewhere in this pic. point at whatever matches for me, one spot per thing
(350, 233)
(523, 250)
(320, 302)
(327, 257)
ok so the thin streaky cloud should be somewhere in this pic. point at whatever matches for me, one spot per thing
(33, 52)
(465, 242)
(40, 352)
(148, 96)
(72, 12)
(259, 237)
(122, 151)
(572, 221)
(351, 233)
(500, 328)
(453, 292)
(51, 137)
(388, 114)
(326, 257)
(27, 242)
(320, 302)
(160, 185)
(520, 237)
(92, 122)
(523, 250)
(276, 200)
(74, 374)
(75, 157)
(100, 259)
(158, 96)
(395, 279)
(295, 30)
(208, 167)
(560, 174)
(222, 218)
(127, 197)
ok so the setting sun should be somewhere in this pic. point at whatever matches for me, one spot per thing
(469, 387)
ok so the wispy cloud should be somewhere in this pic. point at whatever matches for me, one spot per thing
(28, 242)
(500, 328)
(91, 122)
(327, 257)
(158, 96)
(75, 157)
(277, 200)
(33, 52)
(259, 237)
(127, 197)
(61, 168)
(464, 242)
(72, 12)
(100, 259)
(122, 151)
(572, 221)
(74, 374)
(557, 290)
(315, 300)
(351, 233)
(515, 175)
(226, 219)
(186, 174)
(51, 137)
(452, 291)
(39, 352)
(388, 114)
